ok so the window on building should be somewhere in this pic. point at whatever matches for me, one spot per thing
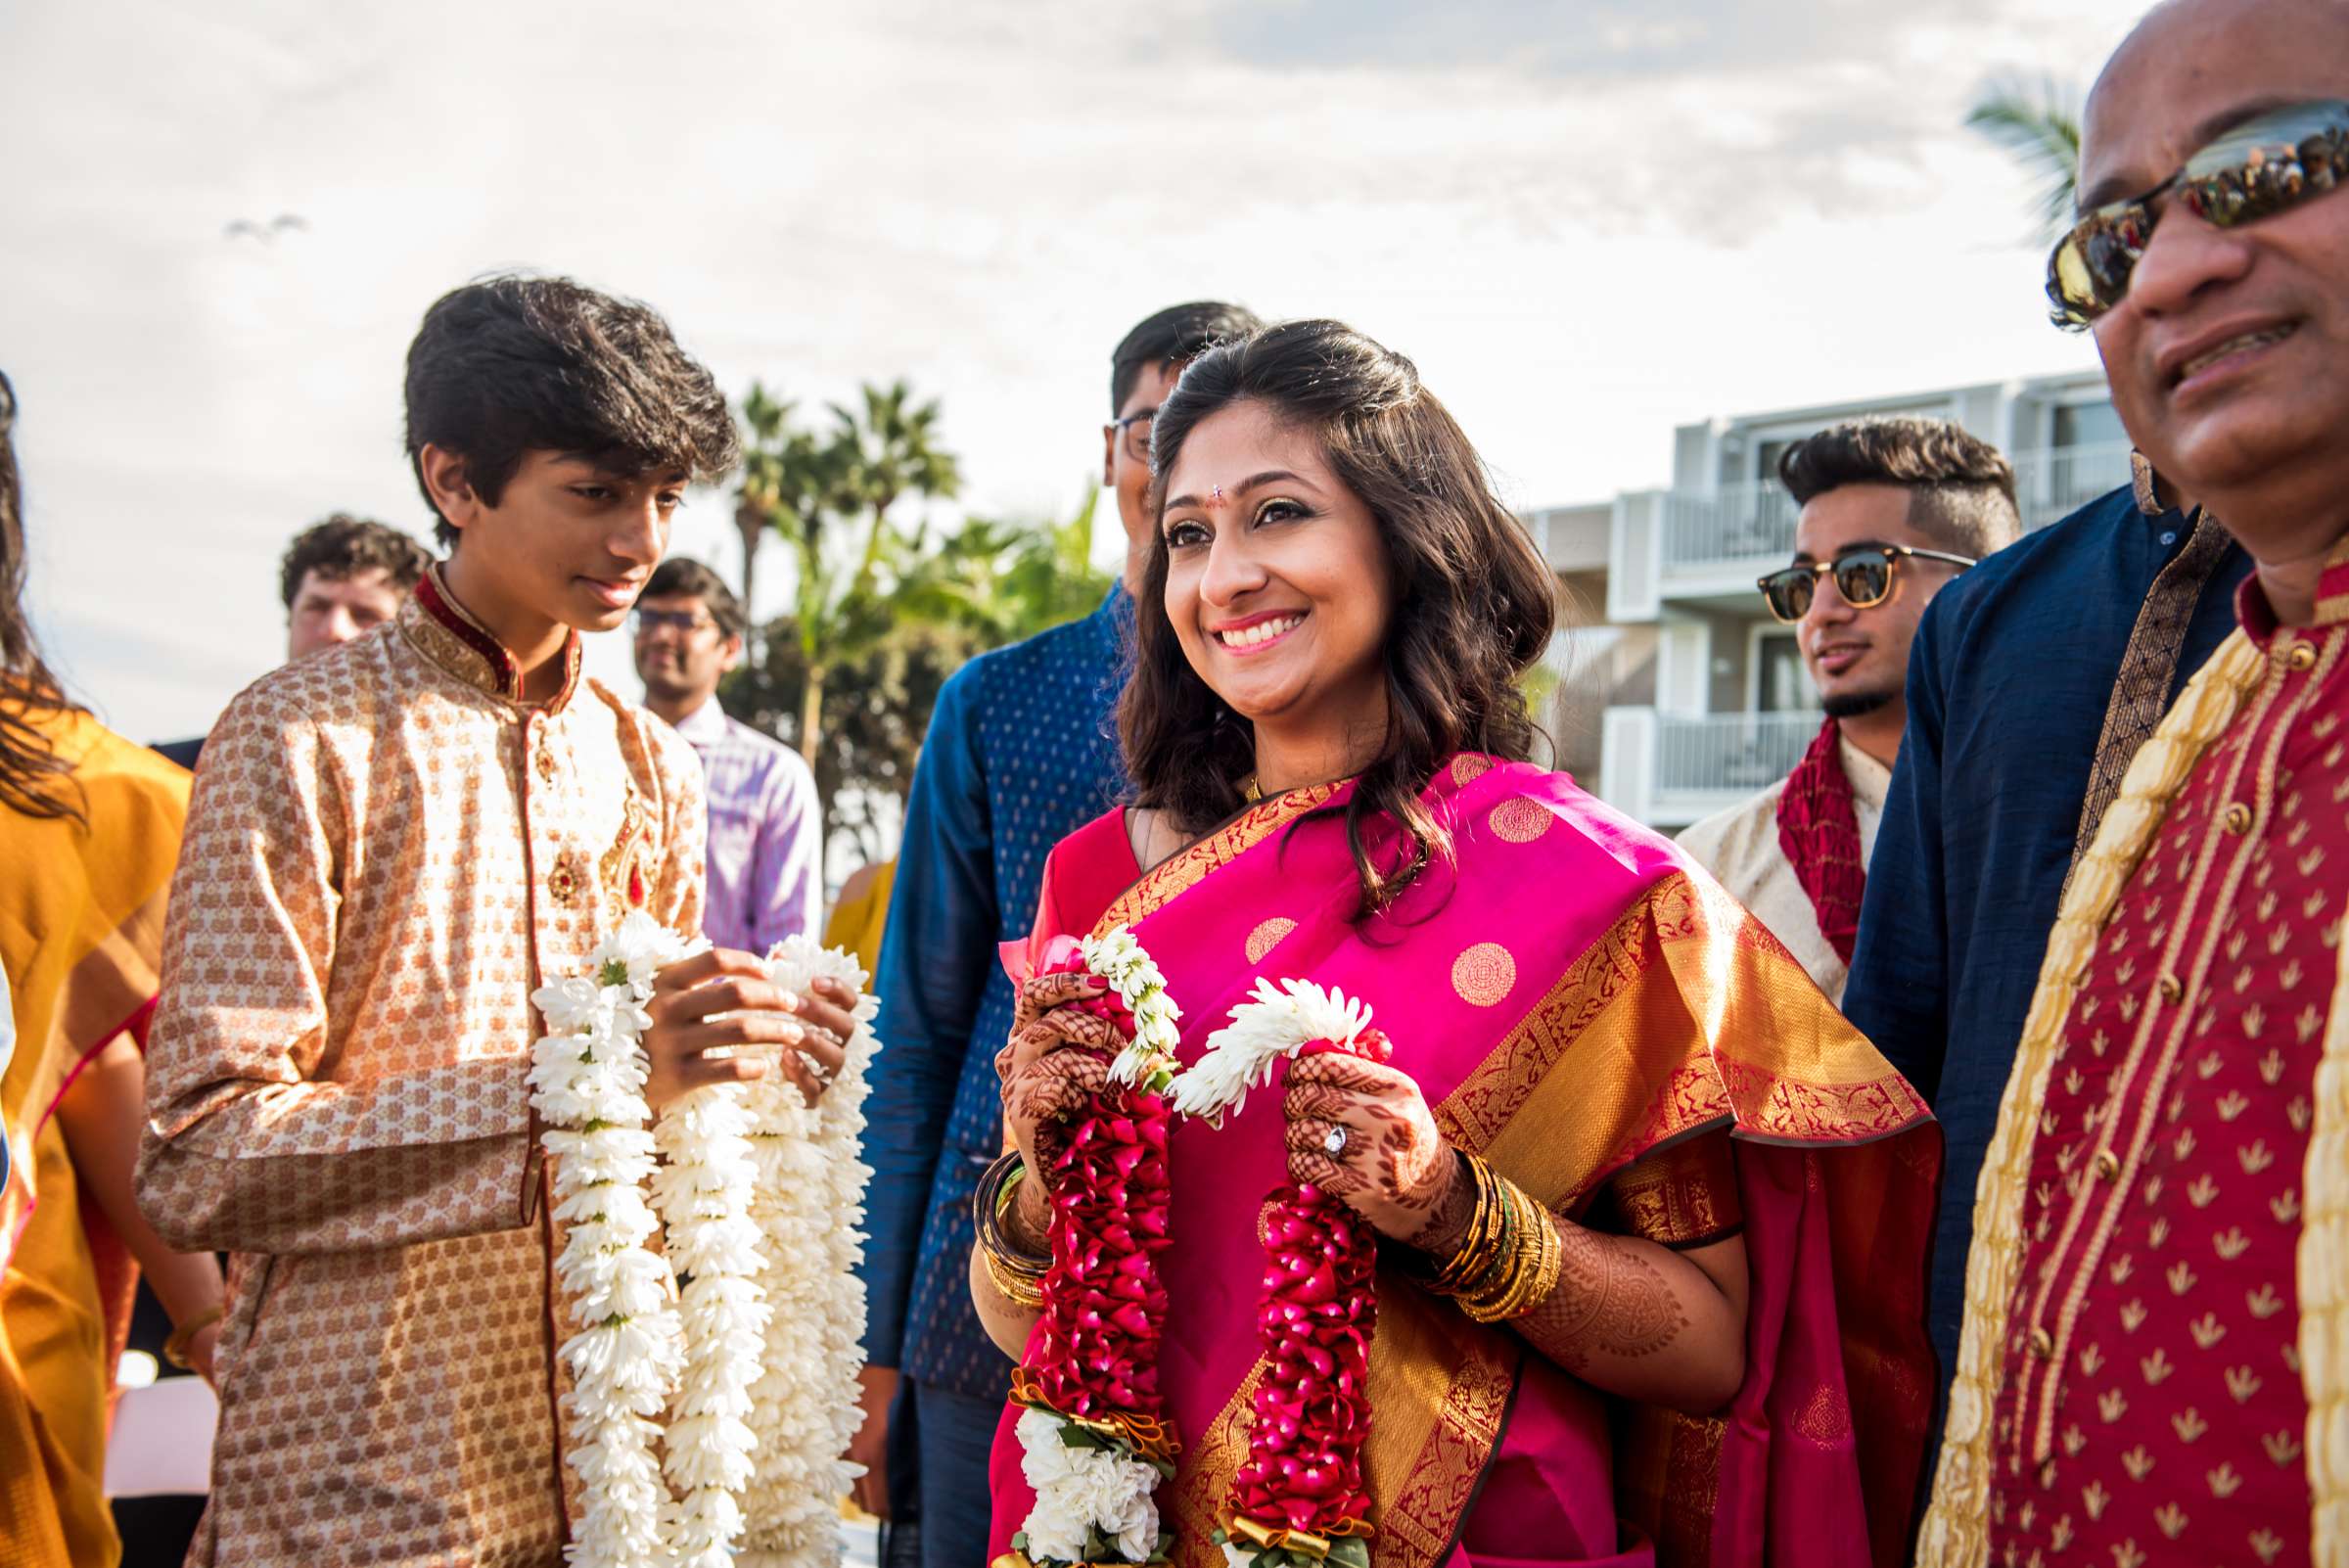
(2087, 425)
(1779, 686)
(2089, 456)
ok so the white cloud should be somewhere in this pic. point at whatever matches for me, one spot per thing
(1585, 222)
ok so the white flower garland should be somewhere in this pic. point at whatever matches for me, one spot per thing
(1278, 1021)
(704, 1191)
(586, 1080)
(1116, 958)
(759, 1196)
(1092, 1489)
(1089, 1490)
(809, 1200)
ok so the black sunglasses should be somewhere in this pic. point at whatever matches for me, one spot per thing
(2266, 165)
(1863, 576)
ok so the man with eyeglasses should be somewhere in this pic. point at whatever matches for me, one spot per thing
(1021, 752)
(1891, 509)
(766, 827)
(2155, 1355)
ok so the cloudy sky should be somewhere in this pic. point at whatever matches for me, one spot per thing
(1586, 219)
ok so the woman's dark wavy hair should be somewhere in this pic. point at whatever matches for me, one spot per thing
(1475, 603)
(33, 779)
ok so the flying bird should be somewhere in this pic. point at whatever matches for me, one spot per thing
(282, 223)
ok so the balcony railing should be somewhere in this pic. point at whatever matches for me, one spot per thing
(1670, 770)
(1733, 752)
(1714, 541)
(2053, 484)
(1735, 525)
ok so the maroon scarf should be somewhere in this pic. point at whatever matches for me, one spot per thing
(1819, 829)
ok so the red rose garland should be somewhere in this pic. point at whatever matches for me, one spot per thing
(1094, 1354)
(1097, 1442)
(1095, 1439)
(1300, 1492)
(1297, 1499)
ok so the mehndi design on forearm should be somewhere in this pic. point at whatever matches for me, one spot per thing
(1609, 1302)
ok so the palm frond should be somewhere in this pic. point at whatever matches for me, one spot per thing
(2036, 120)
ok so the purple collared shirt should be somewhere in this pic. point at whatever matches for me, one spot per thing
(766, 831)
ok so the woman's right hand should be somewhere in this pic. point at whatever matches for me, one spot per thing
(1057, 1056)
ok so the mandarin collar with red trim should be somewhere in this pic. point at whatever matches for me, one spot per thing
(442, 629)
(2258, 618)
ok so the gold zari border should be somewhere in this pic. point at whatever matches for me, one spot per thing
(1683, 964)
(1186, 868)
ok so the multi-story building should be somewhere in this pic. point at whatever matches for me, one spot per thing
(1682, 695)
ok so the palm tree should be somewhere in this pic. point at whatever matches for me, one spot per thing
(889, 450)
(2038, 121)
(1007, 579)
(755, 498)
(813, 486)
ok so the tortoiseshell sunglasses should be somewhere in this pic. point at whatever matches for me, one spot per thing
(2266, 165)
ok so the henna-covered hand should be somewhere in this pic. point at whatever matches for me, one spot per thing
(1043, 1022)
(1394, 1170)
(1056, 1056)
(1041, 1102)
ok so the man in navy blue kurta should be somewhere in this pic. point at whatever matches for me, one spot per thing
(2008, 683)
(1021, 752)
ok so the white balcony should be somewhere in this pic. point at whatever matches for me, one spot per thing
(2053, 484)
(1671, 769)
(1708, 546)
(1570, 539)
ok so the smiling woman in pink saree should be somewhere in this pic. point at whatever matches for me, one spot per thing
(1720, 1357)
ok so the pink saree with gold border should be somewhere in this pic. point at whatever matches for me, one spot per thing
(1592, 1015)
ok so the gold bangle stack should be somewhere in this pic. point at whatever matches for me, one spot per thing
(1018, 1275)
(1508, 1263)
(1487, 1234)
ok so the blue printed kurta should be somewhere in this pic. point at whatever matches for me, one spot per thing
(1021, 752)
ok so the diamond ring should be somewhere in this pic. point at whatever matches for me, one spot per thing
(1334, 1141)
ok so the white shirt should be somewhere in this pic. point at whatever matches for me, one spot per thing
(1740, 845)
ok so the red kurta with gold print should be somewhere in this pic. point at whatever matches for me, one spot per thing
(2151, 1409)
(387, 852)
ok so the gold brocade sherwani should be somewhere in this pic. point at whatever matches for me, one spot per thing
(387, 852)
(2149, 1375)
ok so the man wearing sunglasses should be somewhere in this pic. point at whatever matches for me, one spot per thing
(2156, 1344)
(1891, 510)
(1021, 752)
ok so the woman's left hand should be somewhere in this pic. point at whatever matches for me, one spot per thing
(1391, 1166)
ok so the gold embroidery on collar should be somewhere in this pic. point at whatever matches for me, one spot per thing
(627, 868)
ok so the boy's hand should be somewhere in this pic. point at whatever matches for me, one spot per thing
(200, 1349)
(721, 1002)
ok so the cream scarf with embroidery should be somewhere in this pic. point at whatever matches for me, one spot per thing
(1955, 1531)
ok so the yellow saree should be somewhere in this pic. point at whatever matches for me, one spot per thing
(81, 924)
